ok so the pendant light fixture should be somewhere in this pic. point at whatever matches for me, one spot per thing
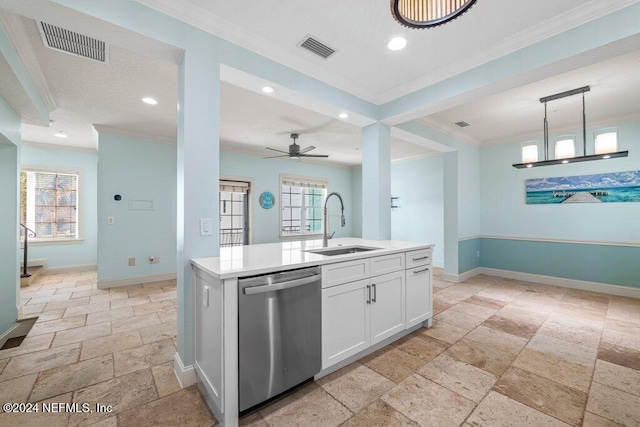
(565, 148)
(428, 13)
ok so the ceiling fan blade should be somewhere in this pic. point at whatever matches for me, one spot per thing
(274, 157)
(314, 155)
(306, 150)
(279, 151)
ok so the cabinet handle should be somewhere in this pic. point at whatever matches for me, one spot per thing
(374, 292)
(421, 258)
(369, 291)
(420, 271)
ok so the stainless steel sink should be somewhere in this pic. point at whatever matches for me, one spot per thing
(342, 251)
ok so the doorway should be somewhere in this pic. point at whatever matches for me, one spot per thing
(234, 213)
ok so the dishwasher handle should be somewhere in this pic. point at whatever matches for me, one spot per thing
(280, 286)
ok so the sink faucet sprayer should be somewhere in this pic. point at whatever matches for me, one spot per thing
(326, 236)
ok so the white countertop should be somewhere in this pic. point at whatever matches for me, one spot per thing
(239, 261)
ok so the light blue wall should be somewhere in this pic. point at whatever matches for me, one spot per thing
(265, 174)
(613, 265)
(138, 170)
(376, 176)
(86, 163)
(420, 218)
(504, 213)
(356, 190)
(9, 193)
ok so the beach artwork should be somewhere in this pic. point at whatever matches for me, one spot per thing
(600, 188)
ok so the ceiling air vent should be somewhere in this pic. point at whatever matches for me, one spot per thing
(315, 46)
(74, 43)
(462, 124)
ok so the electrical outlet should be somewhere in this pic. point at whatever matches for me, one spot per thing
(132, 262)
(110, 220)
(477, 254)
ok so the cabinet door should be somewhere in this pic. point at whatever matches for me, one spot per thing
(345, 321)
(387, 306)
(419, 301)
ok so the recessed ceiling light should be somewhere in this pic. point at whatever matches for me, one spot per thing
(397, 43)
(343, 115)
(149, 101)
(60, 134)
(267, 89)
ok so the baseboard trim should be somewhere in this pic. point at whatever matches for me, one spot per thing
(462, 277)
(186, 375)
(69, 269)
(603, 288)
(127, 281)
(39, 262)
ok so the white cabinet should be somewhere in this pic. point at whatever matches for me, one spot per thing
(344, 272)
(345, 321)
(387, 264)
(387, 306)
(419, 304)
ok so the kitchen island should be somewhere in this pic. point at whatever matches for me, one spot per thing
(372, 293)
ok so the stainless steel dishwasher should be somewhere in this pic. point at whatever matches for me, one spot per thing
(279, 333)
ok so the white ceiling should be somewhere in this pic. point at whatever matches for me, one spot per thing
(518, 113)
(360, 29)
(89, 93)
(251, 121)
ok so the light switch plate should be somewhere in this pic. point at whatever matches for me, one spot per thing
(205, 227)
(110, 220)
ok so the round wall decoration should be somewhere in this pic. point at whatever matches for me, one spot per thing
(267, 200)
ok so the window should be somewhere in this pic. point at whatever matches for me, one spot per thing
(606, 142)
(565, 148)
(234, 213)
(301, 204)
(530, 152)
(49, 204)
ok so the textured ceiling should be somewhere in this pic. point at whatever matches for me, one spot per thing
(360, 29)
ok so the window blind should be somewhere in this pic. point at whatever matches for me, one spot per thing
(234, 187)
(297, 182)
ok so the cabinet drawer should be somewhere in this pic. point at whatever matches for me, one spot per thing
(419, 257)
(386, 264)
(344, 272)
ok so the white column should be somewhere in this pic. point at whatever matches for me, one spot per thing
(451, 213)
(198, 175)
(376, 182)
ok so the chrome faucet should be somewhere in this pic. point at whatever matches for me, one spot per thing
(326, 236)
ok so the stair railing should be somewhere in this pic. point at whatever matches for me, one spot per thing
(28, 233)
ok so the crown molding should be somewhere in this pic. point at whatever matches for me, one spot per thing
(416, 157)
(213, 24)
(571, 19)
(449, 130)
(133, 134)
(20, 40)
(45, 146)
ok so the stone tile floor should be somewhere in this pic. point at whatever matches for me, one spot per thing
(501, 353)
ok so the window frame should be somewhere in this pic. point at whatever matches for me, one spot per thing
(604, 131)
(37, 241)
(310, 180)
(564, 138)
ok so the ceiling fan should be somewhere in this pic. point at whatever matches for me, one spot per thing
(295, 152)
